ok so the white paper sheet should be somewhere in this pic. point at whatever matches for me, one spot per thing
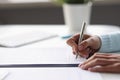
(38, 56)
(3, 74)
(51, 74)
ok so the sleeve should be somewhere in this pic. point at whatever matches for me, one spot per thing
(110, 42)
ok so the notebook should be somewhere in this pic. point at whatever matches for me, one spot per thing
(25, 38)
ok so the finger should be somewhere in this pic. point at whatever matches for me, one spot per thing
(83, 54)
(109, 68)
(107, 55)
(100, 69)
(96, 62)
(91, 53)
(99, 55)
(76, 37)
(83, 45)
(71, 42)
(87, 43)
(99, 62)
(86, 36)
(75, 49)
(89, 59)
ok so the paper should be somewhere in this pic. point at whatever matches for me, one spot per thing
(38, 56)
(51, 74)
(44, 56)
(3, 74)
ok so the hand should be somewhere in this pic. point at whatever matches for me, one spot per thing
(102, 63)
(90, 44)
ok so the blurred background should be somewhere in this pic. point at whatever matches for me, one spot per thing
(46, 12)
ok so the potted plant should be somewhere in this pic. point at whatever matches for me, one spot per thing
(75, 12)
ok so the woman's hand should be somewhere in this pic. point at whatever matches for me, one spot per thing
(102, 63)
(90, 44)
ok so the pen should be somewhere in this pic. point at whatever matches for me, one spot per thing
(81, 35)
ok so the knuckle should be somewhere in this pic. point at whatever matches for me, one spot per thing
(117, 65)
(91, 39)
(95, 55)
(84, 43)
(97, 60)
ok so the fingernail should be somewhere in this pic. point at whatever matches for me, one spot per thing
(79, 65)
(91, 69)
(82, 67)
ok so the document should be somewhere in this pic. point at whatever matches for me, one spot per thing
(3, 74)
(54, 55)
(44, 56)
(65, 73)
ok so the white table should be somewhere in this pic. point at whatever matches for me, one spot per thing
(54, 42)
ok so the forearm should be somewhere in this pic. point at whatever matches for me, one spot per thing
(110, 42)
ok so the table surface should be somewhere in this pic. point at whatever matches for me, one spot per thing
(60, 30)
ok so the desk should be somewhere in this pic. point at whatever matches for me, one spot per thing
(54, 42)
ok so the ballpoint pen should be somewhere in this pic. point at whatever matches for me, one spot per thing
(81, 35)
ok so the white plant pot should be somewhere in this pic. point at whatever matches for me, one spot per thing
(75, 14)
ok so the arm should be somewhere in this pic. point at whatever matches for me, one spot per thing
(110, 42)
(104, 43)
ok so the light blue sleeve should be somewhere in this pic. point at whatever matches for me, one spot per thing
(110, 42)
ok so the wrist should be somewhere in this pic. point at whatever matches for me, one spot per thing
(99, 43)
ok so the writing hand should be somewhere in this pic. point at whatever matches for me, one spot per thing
(90, 44)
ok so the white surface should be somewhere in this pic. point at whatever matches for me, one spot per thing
(12, 30)
(3, 74)
(51, 74)
(38, 56)
(24, 38)
(9, 30)
(51, 43)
